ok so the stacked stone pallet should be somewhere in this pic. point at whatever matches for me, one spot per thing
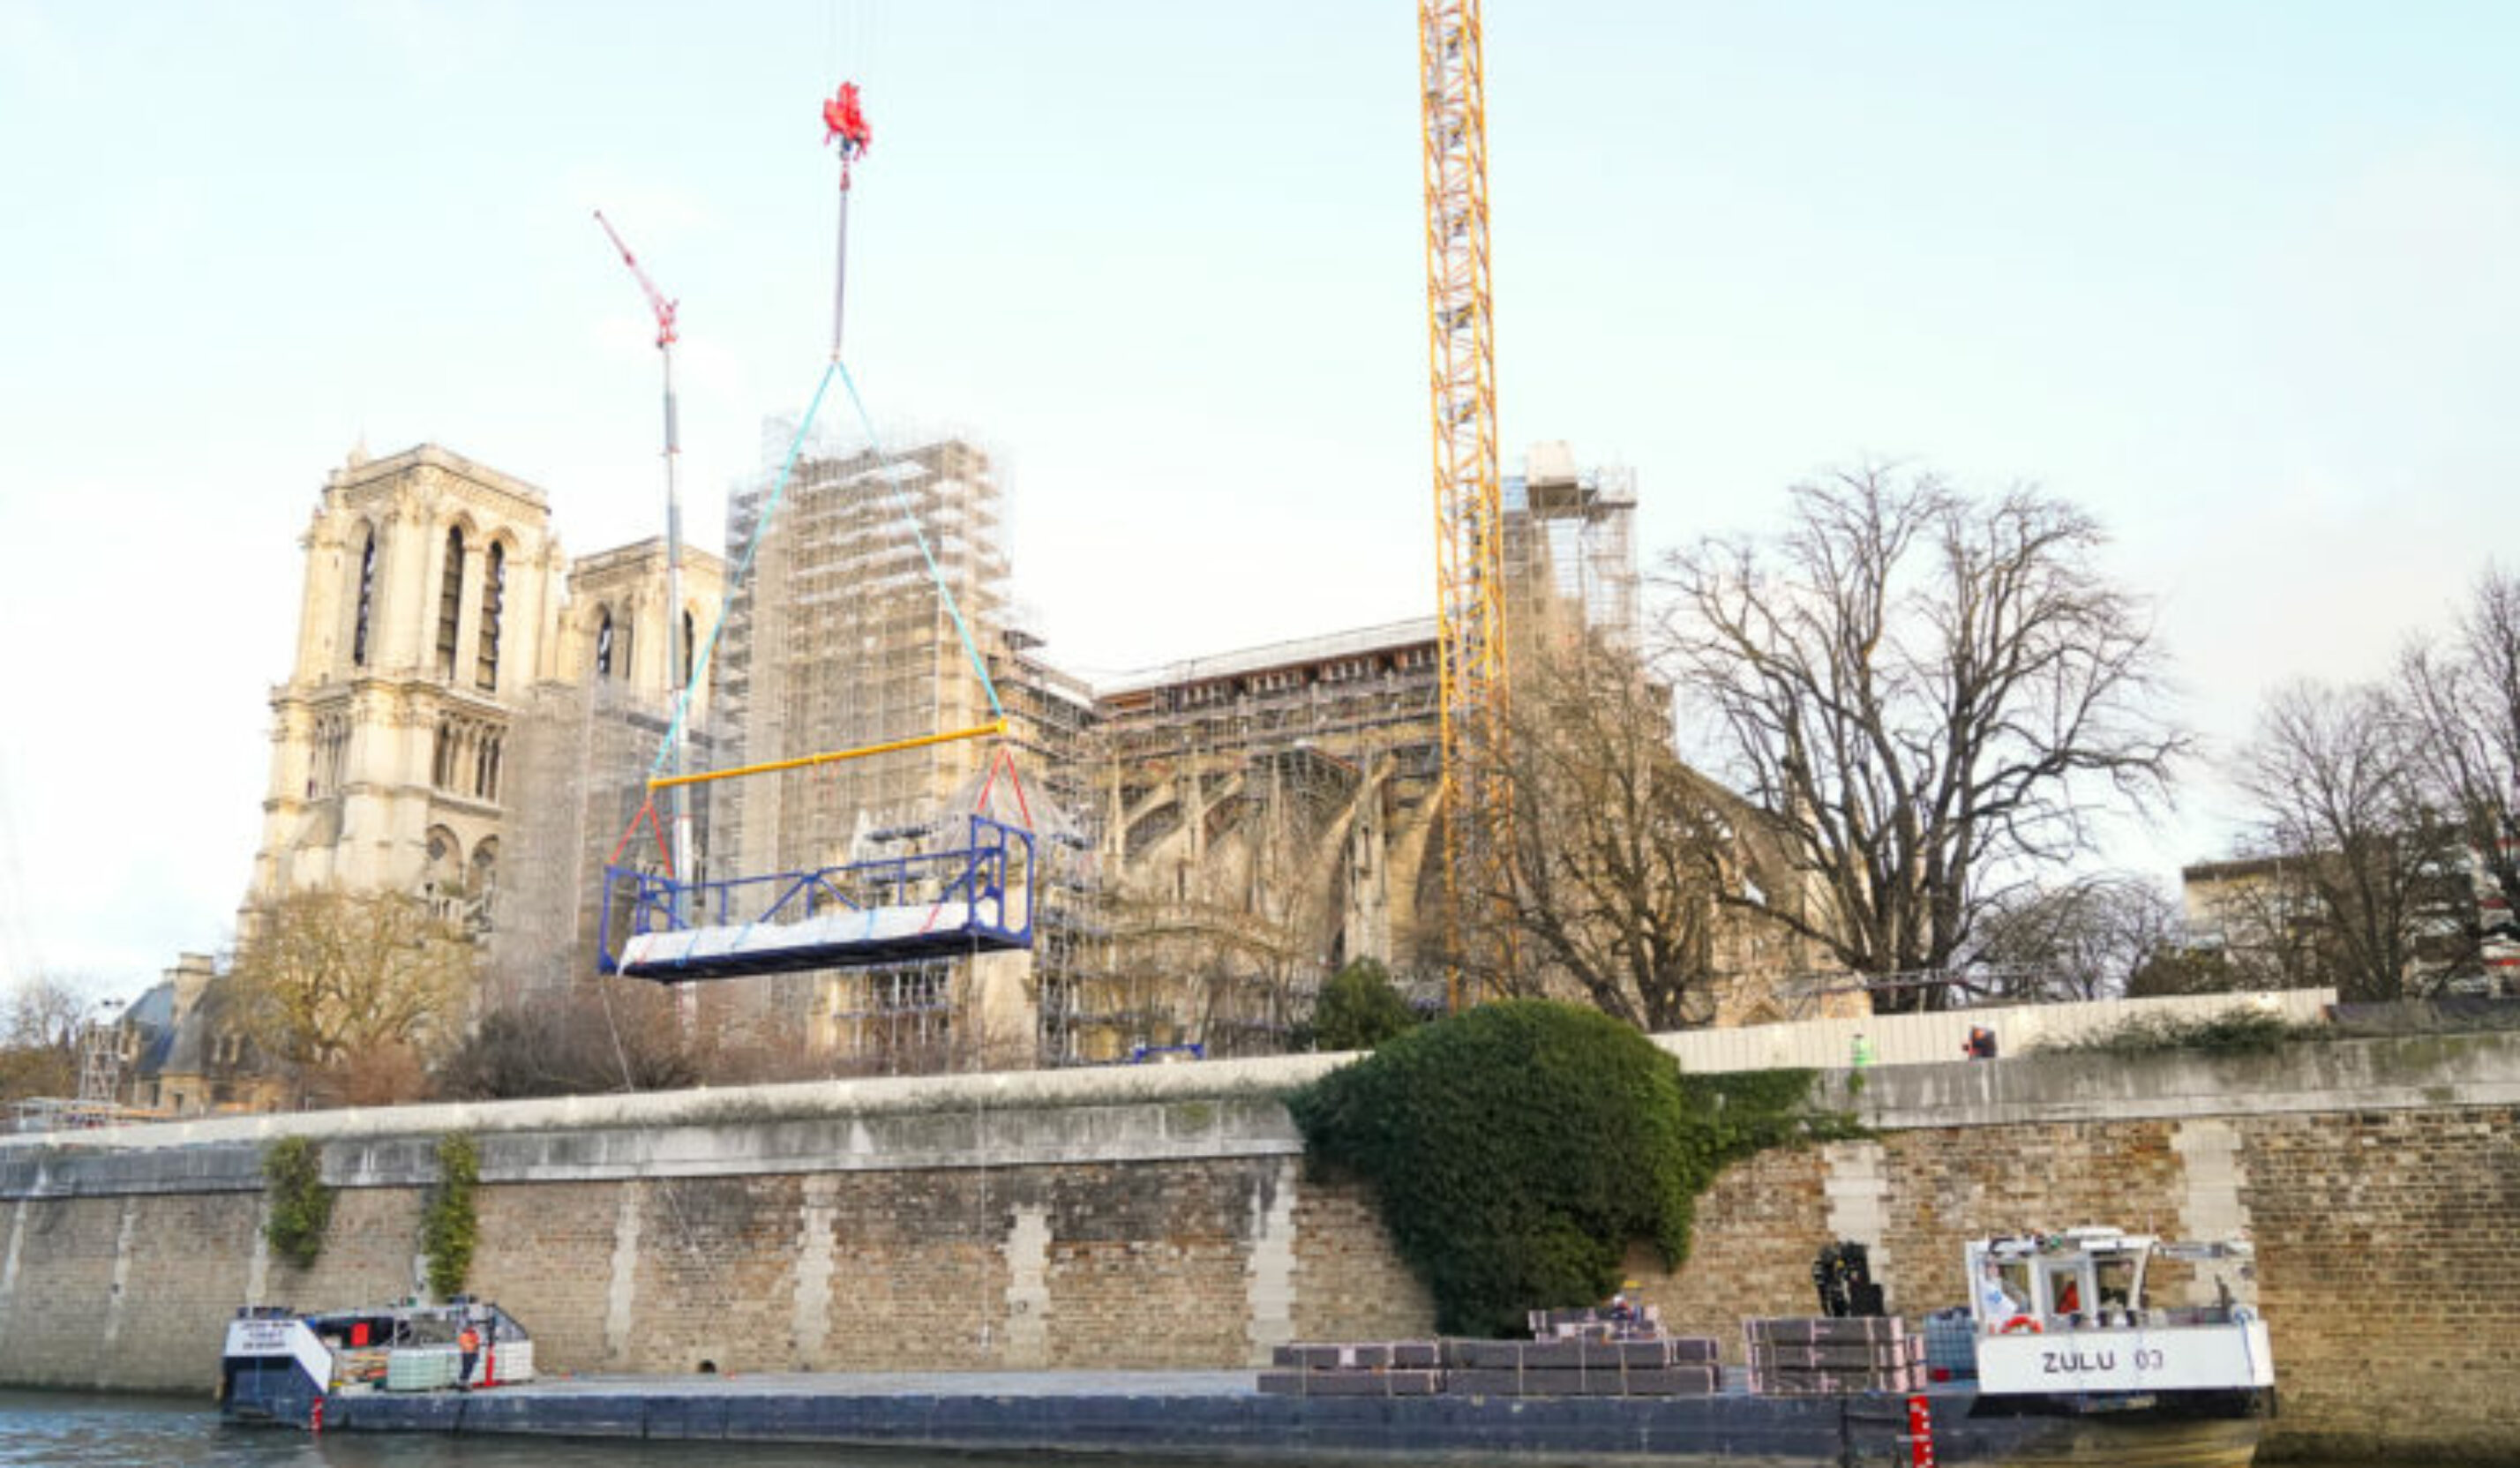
(1806, 1355)
(1592, 1322)
(1582, 1367)
(1570, 1366)
(1374, 1368)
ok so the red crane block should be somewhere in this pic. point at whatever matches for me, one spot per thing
(844, 122)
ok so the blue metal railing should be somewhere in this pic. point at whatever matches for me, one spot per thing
(990, 879)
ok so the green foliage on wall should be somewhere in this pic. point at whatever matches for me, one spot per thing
(301, 1206)
(2235, 1031)
(1360, 1008)
(1517, 1149)
(449, 1228)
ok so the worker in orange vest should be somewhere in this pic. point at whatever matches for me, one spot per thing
(467, 1345)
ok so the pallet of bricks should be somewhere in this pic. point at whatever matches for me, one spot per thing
(1370, 1368)
(1593, 1322)
(1583, 1365)
(1805, 1355)
(1570, 1366)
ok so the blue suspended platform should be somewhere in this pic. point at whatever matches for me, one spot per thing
(971, 899)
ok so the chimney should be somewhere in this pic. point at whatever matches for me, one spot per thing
(190, 975)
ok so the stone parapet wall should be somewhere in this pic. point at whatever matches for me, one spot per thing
(661, 1129)
(1166, 1219)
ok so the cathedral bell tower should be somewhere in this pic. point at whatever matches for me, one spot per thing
(433, 590)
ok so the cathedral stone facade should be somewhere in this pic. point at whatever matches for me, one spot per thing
(438, 617)
(472, 718)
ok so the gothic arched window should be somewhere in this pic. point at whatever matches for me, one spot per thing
(494, 581)
(685, 679)
(450, 604)
(485, 764)
(604, 642)
(367, 599)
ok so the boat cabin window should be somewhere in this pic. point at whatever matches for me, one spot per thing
(2119, 1280)
(2003, 1291)
(2068, 1288)
(2089, 1289)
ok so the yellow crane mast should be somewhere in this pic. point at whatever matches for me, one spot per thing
(1469, 529)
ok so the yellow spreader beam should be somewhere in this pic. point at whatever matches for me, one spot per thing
(976, 732)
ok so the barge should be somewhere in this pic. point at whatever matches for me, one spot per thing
(2024, 1376)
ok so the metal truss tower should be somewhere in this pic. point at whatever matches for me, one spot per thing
(1469, 529)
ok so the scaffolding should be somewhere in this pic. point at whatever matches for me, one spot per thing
(1570, 553)
(1216, 835)
(101, 1042)
(1053, 724)
(841, 638)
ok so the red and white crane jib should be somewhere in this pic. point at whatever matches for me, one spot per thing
(657, 302)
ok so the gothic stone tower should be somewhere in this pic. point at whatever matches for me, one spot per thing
(580, 749)
(432, 588)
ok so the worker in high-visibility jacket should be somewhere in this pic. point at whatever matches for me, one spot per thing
(467, 1348)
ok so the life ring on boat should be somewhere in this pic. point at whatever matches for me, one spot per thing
(2020, 1326)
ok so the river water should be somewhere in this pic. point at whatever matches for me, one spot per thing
(59, 1429)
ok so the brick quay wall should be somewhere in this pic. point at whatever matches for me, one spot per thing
(1160, 1218)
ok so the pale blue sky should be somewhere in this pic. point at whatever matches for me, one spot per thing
(2238, 277)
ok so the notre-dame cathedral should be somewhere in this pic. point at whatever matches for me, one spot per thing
(471, 717)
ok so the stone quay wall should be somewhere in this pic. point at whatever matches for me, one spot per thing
(1161, 1218)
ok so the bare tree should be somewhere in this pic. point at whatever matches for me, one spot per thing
(2464, 699)
(1617, 844)
(2083, 939)
(2337, 780)
(45, 1012)
(39, 1039)
(574, 1044)
(1227, 948)
(328, 977)
(1234, 980)
(1930, 696)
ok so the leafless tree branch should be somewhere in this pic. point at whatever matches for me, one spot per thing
(1924, 692)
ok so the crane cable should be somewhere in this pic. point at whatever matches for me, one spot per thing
(743, 567)
(885, 466)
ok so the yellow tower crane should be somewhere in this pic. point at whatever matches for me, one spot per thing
(1469, 527)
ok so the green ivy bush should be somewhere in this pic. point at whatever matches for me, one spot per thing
(1517, 1149)
(449, 1229)
(301, 1206)
(2235, 1031)
(1359, 1009)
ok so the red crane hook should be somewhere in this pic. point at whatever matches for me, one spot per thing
(844, 122)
